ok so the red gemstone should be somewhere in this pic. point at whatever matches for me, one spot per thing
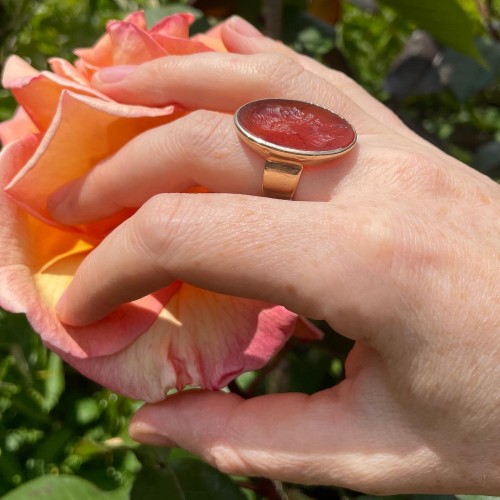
(296, 125)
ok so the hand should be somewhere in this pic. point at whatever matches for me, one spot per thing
(396, 245)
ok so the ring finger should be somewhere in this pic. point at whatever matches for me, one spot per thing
(200, 149)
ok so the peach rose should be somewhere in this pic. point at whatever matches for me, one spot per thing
(175, 337)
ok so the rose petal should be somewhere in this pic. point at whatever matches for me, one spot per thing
(37, 262)
(65, 69)
(138, 19)
(307, 331)
(101, 54)
(201, 339)
(16, 72)
(211, 39)
(39, 93)
(132, 45)
(98, 56)
(12, 157)
(108, 336)
(17, 127)
(176, 25)
(87, 71)
(171, 33)
(180, 46)
(83, 132)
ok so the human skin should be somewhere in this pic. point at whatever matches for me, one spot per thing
(396, 245)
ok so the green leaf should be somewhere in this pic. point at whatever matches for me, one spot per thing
(476, 497)
(408, 497)
(54, 381)
(432, 497)
(466, 77)
(445, 20)
(184, 479)
(88, 448)
(52, 447)
(200, 481)
(11, 472)
(67, 487)
(150, 481)
(152, 456)
(87, 410)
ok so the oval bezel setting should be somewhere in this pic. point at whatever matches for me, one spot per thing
(271, 149)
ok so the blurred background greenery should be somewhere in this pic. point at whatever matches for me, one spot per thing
(436, 63)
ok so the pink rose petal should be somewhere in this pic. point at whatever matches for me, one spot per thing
(213, 43)
(101, 54)
(65, 69)
(176, 26)
(131, 45)
(202, 339)
(179, 46)
(17, 127)
(98, 56)
(136, 18)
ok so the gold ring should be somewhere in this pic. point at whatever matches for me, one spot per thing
(291, 134)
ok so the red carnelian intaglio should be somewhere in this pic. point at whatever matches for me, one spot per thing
(296, 125)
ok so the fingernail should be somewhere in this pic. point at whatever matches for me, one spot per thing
(144, 433)
(244, 27)
(114, 74)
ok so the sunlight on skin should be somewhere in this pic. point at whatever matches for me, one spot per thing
(382, 257)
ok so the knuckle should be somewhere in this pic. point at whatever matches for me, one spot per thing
(154, 73)
(97, 180)
(204, 135)
(155, 228)
(279, 71)
(104, 186)
(408, 168)
(421, 172)
(157, 142)
(379, 234)
(344, 81)
(227, 460)
(416, 166)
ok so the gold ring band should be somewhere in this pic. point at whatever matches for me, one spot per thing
(280, 179)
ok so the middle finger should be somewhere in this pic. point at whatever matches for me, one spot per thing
(200, 149)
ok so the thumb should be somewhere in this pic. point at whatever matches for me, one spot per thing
(352, 435)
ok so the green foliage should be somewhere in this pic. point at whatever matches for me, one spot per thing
(48, 413)
(462, 112)
(445, 20)
(181, 478)
(63, 436)
(67, 487)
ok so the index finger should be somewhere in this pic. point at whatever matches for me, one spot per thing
(240, 37)
(223, 82)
